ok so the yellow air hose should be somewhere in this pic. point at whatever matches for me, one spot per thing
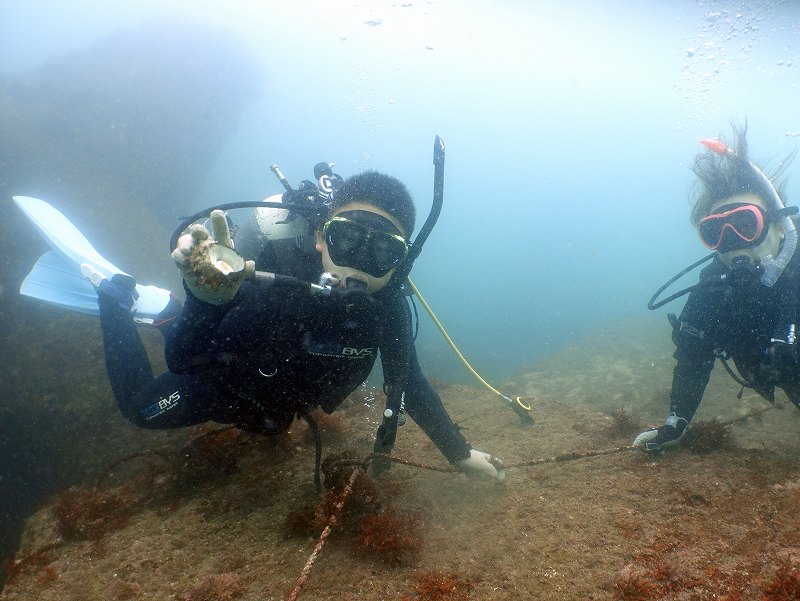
(518, 404)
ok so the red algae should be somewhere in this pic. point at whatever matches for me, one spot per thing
(392, 537)
(215, 587)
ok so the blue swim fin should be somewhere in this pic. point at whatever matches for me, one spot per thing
(57, 282)
(56, 277)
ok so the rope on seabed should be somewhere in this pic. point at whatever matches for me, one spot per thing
(360, 466)
(741, 418)
(337, 510)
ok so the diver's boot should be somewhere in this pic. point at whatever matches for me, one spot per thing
(121, 289)
(663, 437)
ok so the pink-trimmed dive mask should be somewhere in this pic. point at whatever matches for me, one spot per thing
(734, 226)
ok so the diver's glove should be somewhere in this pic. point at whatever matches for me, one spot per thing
(483, 464)
(211, 268)
(664, 436)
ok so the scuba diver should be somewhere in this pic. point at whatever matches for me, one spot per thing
(260, 356)
(745, 307)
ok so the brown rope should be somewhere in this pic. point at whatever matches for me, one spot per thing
(570, 456)
(434, 468)
(337, 510)
(167, 456)
(163, 455)
(741, 418)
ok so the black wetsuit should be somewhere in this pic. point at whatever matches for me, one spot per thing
(270, 355)
(735, 316)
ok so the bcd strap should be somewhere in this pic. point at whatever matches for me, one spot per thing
(387, 431)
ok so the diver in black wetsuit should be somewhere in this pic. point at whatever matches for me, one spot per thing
(259, 357)
(746, 305)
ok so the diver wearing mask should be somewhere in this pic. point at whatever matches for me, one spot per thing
(745, 306)
(259, 357)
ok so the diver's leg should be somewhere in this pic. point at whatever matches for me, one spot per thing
(127, 364)
(178, 400)
(168, 401)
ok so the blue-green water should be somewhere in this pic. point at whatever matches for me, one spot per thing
(569, 133)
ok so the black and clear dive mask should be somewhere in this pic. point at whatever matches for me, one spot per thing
(364, 241)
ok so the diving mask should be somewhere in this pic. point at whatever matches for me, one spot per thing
(733, 226)
(364, 241)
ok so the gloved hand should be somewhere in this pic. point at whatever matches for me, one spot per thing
(664, 436)
(483, 464)
(212, 270)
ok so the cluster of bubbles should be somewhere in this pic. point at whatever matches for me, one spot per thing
(369, 395)
(729, 44)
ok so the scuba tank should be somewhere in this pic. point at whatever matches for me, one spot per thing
(284, 226)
